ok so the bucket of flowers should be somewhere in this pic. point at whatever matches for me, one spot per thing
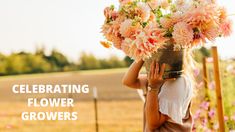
(163, 30)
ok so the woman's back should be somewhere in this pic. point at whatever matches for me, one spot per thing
(174, 101)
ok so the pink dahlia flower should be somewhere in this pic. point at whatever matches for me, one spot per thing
(125, 1)
(211, 31)
(202, 15)
(144, 11)
(111, 32)
(153, 3)
(164, 4)
(145, 43)
(127, 29)
(226, 28)
(223, 13)
(183, 34)
(168, 22)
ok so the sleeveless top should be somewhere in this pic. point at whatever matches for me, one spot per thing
(174, 106)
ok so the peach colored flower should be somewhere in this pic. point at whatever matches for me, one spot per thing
(202, 15)
(135, 29)
(127, 29)
(164, 4)
(126, 46)
(111, 28)
(153, 4)
(223, 13)
(111, 33)
(168, 22)
(153, 30)
(226, 28)
(117, 41)
(144, 11)
(152, 17)
(130, 48)
(211, 31)
(183, 5)
(207, 1)
(183, 34)
(145, 43)
(125, 1)
(106, 44)
(107, 12)
(177, 16)
(110, 13)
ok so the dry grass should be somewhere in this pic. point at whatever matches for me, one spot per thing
(119, 108)
(114, 116)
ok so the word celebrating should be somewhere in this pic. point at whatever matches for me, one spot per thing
(49, 102)
(64, 88)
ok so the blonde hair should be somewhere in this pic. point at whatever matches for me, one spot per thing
(189, 66)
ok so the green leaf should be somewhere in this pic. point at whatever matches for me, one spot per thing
(112, 7)
(144, 24)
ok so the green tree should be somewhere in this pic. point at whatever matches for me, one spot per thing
(88, 61)
(128, 61)
(16, 64)
(115, 62)
(200, 53)
(57, 60)
(3, 64)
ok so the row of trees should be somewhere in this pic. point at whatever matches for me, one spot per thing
(39, 62)
(89, 61)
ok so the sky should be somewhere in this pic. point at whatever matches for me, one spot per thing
(70, 26)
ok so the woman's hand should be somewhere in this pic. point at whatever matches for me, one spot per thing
(154, 118)
(156, 72)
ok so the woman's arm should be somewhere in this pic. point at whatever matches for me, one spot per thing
(132, 78)
(154, 117)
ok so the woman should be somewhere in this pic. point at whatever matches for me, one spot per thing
(167, 102)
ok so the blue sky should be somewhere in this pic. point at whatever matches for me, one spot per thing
(71, 26)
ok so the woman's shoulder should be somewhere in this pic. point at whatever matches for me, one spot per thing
(181, 87)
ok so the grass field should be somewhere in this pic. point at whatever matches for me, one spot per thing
(119, 108)
(114, 116)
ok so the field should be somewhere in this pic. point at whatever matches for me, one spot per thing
(119, 108)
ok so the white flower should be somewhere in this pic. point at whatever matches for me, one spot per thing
(183, 5)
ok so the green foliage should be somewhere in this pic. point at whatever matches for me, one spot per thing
(24, 63)
(19, 63)
(89, 61)
(3, 64)
(200, 53)
(39, 62)
(57, 60)
(128, 61)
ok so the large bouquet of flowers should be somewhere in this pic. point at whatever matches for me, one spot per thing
(141, 27)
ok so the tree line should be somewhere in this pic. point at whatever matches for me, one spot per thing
(39, 62)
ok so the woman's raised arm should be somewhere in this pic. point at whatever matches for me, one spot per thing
(133, 78)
